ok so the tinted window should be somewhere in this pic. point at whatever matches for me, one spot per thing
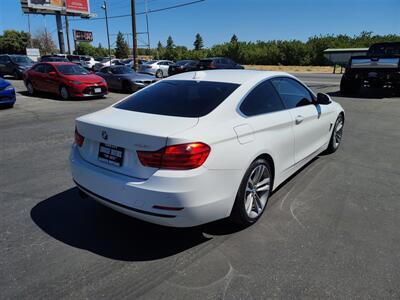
(49, 68)
(181, 98)
(262, 99)
(293, 93)
(4, 59)
(39, 68)
(121, 70)
(104, 70)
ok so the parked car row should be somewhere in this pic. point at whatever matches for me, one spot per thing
(164, 68)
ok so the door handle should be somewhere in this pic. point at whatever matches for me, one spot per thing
(299, 119)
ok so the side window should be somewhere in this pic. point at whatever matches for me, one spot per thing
(104, 70)
(293, 93)
(2, 60)
(39, 68)
(6, 59)
(48, 68)
(262, 99)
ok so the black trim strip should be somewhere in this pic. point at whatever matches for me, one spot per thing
(122, 205)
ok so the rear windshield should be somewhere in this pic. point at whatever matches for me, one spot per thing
(382, 49)
(180, 98)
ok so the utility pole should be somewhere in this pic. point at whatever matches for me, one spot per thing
(67, 32)
(147, 25)
(60, 32)
(104, 6)
(134, 36)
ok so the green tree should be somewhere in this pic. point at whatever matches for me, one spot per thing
(170, 52)
(14, 42)
(122, 48)
(198, 42)
(234, 39)
(170, 43)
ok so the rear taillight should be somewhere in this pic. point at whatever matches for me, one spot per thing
(147, 67)
(177, 157)
(78, 138)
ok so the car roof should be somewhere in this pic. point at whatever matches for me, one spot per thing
(229, 76)
(58, 63)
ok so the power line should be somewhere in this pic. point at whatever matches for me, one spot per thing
(142, 13)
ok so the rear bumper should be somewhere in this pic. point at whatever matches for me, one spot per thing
(375, 76)
(199, 196)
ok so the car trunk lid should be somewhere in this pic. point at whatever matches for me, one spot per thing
(129, 132)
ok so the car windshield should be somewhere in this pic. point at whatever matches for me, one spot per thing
(21, 59)
(121, 70)
(180, 98)
(72, 70)
(150, 62)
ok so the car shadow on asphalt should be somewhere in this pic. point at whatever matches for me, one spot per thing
(368, 93)
(86, 224)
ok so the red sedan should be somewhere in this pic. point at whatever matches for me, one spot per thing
(65, 79)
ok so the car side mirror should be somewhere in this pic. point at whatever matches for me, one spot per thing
(52, 73)
(323, 99)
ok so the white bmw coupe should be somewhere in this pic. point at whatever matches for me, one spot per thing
(202, 146)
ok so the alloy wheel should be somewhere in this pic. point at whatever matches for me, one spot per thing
(30, 89)
(64, 93)
(257, 191)
(337, 135)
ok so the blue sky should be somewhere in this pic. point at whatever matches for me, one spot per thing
(217, 20)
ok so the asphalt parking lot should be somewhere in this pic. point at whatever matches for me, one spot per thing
(332, 230)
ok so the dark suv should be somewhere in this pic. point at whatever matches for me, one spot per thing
(14, 65)
(218, 63)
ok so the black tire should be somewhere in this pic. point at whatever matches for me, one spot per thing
(16, 75)
(31, 90)
(334, 143)
(127, 87)
(349, 86)
(64, 94)
(159, 73)
(239, 214)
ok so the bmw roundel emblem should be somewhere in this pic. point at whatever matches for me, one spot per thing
(104, 135)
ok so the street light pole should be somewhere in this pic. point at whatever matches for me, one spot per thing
(104, 6)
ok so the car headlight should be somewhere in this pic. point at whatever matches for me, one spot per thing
(103, 80)
(76, 82)
(8, 88)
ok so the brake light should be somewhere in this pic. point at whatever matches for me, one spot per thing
(78, 138)
(147, 67)
(176, 157)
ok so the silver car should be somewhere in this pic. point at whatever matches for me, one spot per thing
(159, 68)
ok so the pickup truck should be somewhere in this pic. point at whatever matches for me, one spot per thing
(379, 68)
